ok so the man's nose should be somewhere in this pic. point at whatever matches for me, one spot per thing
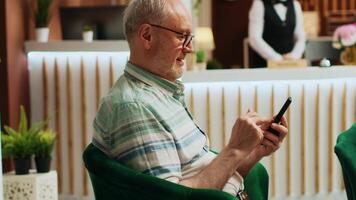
(188, 48)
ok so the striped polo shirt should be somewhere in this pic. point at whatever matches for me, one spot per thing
(144, 124)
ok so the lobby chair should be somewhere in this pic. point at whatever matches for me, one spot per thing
(112, 181)
(345, 150)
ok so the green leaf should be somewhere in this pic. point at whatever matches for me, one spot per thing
(22, 143)
(44, 143)
(214, 64)
(200, 56)
(42, 13)
(23, 121)
(10, 131)
(38, 126)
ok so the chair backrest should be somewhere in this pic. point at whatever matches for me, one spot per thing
(112, 181)
(345, 150)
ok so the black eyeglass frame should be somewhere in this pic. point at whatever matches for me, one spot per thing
(187, 37)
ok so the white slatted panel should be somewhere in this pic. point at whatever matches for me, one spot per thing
(295, 173)
(71, 172)
(295, 140)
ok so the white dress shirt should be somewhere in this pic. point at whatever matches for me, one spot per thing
(256, 26)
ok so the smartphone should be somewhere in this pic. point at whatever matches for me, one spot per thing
(280, 114)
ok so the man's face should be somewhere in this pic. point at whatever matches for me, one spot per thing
(173, 42)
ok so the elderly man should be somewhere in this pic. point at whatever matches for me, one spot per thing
(144, 123)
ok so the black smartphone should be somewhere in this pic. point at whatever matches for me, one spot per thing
(280, 114)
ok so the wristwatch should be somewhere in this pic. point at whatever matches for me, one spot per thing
(242, 195)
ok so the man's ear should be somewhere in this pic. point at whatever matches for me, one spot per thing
(145, 35)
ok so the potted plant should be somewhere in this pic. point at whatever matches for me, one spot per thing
(214, 64)
(42, 17)
(87, 33)
(201, 63)
(344, 38)
(204, 42)
(19, 144)
(19, 147)
(43, 147)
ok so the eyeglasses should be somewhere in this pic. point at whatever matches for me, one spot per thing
(187, 37)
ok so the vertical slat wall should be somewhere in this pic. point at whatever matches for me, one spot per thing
(66, 86)
(305, 166)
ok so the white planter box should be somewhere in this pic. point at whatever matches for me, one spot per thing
(33, 186)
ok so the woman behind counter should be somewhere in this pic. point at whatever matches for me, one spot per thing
(276, 31)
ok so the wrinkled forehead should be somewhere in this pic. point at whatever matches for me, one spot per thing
(178, 16)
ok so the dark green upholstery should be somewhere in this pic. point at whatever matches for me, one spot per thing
(113, 181)
(256, 183)
(345, 150)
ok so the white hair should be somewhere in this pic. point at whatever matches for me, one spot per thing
(143, 11)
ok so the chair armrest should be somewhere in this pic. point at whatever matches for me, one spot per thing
(147, 186)
(256, 183)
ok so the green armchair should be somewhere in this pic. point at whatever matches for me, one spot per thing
(112, 181)
(345, 150)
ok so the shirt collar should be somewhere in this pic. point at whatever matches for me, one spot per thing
(174, 88)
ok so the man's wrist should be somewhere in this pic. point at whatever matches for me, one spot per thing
(249, 161)
(254, 156)
(234, 154)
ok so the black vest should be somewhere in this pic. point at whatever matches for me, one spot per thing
(277, 33)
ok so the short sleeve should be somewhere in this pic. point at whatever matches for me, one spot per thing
(102, 126)
(138, 139)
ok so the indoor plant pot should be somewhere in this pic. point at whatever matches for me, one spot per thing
(88, 36)
(43, 164)
(344, 38)
(43, 147)
(88, 33)
(22, 165)
(348, 55)
(42, 34)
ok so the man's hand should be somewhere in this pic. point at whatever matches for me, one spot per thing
(271, 142)
(247, 133)
(268, 145)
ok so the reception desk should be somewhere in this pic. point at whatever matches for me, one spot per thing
(67, 84)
